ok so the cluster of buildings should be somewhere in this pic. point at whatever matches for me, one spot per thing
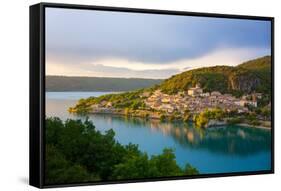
(195, 101)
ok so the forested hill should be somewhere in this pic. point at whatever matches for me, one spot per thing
(251, 76)
(64, 83)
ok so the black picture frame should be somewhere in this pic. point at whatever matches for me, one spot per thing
(37, 91)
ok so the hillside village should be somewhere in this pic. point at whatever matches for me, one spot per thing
(195, 100)
(172, 100)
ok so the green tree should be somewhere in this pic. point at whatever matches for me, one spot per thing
(59, 170)
(163, 118)
(77, 152)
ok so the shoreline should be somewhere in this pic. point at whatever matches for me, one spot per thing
(254, 126)
(214, 124)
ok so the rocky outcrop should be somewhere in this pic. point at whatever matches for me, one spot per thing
(245, 83)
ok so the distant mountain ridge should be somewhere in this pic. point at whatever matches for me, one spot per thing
(251, 76)
(65, 83)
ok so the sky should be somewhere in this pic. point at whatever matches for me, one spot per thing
(137, 45)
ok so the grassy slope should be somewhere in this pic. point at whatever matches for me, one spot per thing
(250, 76)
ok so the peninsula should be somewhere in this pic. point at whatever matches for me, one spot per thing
(207, 96)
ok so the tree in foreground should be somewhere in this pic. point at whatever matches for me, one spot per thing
(77, 152)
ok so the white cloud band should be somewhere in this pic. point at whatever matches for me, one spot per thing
(120, 67)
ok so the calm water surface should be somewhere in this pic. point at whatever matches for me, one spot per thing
(217, 150)
(74, 95)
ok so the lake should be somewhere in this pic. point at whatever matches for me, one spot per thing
(224, 149)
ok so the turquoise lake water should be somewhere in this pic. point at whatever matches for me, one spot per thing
(216, 150)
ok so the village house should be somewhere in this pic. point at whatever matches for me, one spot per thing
(145, 94)
(242, 110)
(244, 103)
(206, 94)
(167, 107)
(109, 104)
(196, 91)
(197, 101)
(252, 103)
(215, 93)
(166, 99)
(257, 95)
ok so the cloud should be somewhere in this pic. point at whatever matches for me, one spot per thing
(99, 70)
(87, 35)
(122, 67)
(120, 44)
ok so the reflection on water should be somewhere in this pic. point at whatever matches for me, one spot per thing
(225, 149)
(229, 140)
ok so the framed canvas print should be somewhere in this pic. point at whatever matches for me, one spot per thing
(122, 95)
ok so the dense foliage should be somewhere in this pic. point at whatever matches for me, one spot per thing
(211, 78)
(203, 118)
(252, 76)
(234, 117)
(260, 66)
(127, 100)
(64, 83)
(77, 152)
